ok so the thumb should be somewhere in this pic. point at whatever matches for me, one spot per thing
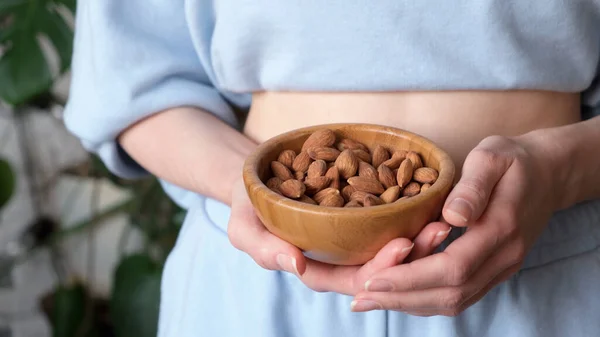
(247, 233)
(467, 201)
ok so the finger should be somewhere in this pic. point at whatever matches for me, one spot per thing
(350, 279)
(428, 240)
(482, 170)
(448, 299)
(247, 233)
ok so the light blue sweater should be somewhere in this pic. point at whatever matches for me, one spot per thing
(136, 57)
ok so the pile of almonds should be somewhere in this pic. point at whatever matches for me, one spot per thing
(345, 173)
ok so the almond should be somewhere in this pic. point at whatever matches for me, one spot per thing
(347, 164)
(317, 169)
(415, 158)
(292, 188)
(411, 189)
(405, 173)
(334, 175)
(324, 193)
(371, 200)
(367, 171)
(332, 200)
(391, 194)
(350, 144)
(358, 195)
(425, 175)
(386, 176)
(353, 203)
(366, 185)
(323, 153)
(396, 160)
(307, 199)
(362, 155)
(319, 138)
(425, 187)
(273, 183)
(302, 162)
(299, 175)
(280, 171)
(347, 192)
(287, 157)
(314, 185)
(380, 154)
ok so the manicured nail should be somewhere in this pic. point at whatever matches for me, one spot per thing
(407, 249)
(378, 285)
(365, 306)
(461, 208)
(288, 264)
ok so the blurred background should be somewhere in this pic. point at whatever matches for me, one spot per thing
(81, 251)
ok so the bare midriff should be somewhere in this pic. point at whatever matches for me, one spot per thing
(456, 121)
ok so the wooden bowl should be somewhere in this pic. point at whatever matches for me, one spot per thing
(346, 236)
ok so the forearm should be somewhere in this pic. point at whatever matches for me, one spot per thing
(575, 160)
(190, 148)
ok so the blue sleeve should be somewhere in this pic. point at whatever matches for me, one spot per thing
(133, 58)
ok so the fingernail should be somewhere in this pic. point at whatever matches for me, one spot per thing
(379, 285)
(440, 237)
(365, 306)
(461, 208)
(288, 264)
(407, 249)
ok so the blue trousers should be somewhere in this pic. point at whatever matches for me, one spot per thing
(210, 289)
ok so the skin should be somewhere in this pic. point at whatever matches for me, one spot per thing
(513, 147)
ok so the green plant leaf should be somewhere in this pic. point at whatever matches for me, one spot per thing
(71, 4)
(7, 182)
(68, 310)
(61, 36)
(24, 72)
(136, 297)
(8, 5)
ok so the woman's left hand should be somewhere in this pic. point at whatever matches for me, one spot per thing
(505, 197)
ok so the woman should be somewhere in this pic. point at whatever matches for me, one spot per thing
(185, 90)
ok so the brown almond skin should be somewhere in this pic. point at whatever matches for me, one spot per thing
(367, 171)
(380, 154)
(347, 192)
(334, 175)
(415, 158)
(281, 171)
(350, 144)
(332, 200)
(425, 187)
(302, 162)
(274, 182)
(391, 194)
(306, 199)
(324, 193)
(292, 188)
(347, 164)
(359, 196)
(362, 155)
(299, 175)
(323, 153)
(353, 203)
(386, 176)
(405, 173)
(316, 169)
(366, 185)
(371, 200)
(314, 185)
(286, 157)
(412, 189)
(425, 175)
(319, 138)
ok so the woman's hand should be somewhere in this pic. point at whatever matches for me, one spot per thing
(249, 235)
(505, 198)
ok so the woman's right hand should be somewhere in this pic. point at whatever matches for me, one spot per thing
(247, 233)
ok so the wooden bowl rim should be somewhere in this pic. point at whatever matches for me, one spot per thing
(253, 181)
